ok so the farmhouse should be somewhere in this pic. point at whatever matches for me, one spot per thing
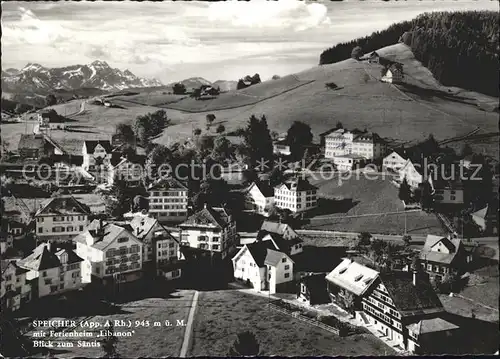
(264, 266)
(413, 173)
(49, 121)
(374, 58)
(212, 230)
(15, 289)
(62, 217)
(259, 198)
(395, 161)
(290, 246)
(110, 252)
(126, 170)
(296, 195)
(33, 146)
(168, 200)
(393, 73)
(282, 229)
(443, 255)
(51, 270)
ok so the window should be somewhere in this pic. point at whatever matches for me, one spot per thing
(69, 229)
(8, 277)
(215, 239)
(44, 274)
(81, 228)
(287, 267)
(215, 246)
(287, 275)
(61, 286)
(283, 260)
(122, 239)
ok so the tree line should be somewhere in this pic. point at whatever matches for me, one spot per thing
(459, 48)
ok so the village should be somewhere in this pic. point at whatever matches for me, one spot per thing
(107, 223)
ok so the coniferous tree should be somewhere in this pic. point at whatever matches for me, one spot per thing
(245, 345)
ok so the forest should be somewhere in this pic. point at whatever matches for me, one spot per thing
(459, 48)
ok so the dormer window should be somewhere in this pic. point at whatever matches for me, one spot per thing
(358, 278)
(342, 271)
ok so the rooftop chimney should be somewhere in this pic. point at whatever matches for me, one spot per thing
(415, 273)
(205, 205)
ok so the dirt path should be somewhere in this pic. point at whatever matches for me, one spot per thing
(189, 326)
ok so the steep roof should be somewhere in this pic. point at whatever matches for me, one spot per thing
(91, 145)
(273, 257)
(167, 183)
(282, 243)
(62, 205)
(43, 258)
(411, 299)
(452, 244)
(110, 231)
(141, 226)
(8, 263)
(275, 227)
(264, 188)
(352, 276)
(432, 325)
(298, 184)
(208, 216)
(489, 210)
(258, 250)
(32, 142)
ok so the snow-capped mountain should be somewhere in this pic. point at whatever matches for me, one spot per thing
(98, 74)
(193, 82)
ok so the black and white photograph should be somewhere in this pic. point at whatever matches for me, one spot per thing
(290, 178)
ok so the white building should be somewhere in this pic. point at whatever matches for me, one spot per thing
(259, 198)
(281, 147)
(127, 171)
(109, 252)
(413, 174)
(296, 195)
(48, 121)
(15, 289)
(160, 247)
(393, 74)
(168, 201)
(342, 142)
(262, 264)
(96, 153)
(62, 216)
(395, 161)
(211, 229)
(449, 195)
(51, 270)
(348, 162)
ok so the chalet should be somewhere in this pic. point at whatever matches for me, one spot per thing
(62, 217)
(111, 252)
(395, 161)
(487, 218)
(312, 289)
(15, 289)
(282, 229)
(393, 73)
(96, 153)
(348, 282)
(296, 195)
(413, 173)
(290, 246)
(210, 229)
(443, 255)
(168, 200)
(264, 266)
(52, 270)
(37, 146)
(126, 170)
(259, 198)
(374, 58)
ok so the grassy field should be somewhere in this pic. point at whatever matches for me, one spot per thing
(145, 341)
(348, 205)
(362, 101)
(222, 314)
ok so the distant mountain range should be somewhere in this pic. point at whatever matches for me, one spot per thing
(38, 79)
(196, 82)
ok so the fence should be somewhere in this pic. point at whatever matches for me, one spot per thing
(296, 314)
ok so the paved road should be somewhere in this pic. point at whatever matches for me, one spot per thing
(189, 327)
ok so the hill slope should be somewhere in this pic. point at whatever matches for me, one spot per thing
(407, 113)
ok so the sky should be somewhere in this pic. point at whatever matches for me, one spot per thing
(172, 41)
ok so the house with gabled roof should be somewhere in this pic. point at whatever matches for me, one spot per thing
(52, 270)
(15, 289)
(393, 73)
(264, 266)
(414, 174)
(211, 229)
(96, 153)
(312, 289)
(290, 246)
(61, 217)
(398, 303)
(160, 249)
(259, 198)
(168, 200)
(443, 255)
(487, 218)
(395, 160)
